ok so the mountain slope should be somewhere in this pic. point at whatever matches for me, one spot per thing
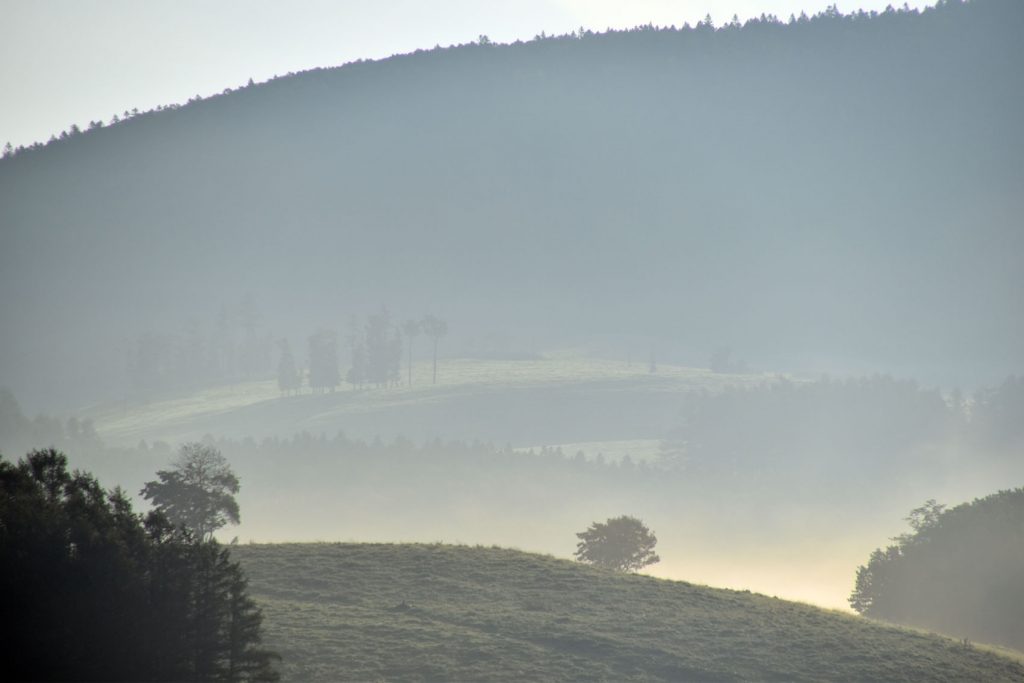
(841, 188)
(415, 612)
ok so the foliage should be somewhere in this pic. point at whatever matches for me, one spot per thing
(198, 493)
(960, 572)
(369, 612)
(411, 330)
(92, 591)
(623, 544)
(376, 353)
(435, 328)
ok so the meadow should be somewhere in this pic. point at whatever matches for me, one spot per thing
(372, 612)
(559, 398)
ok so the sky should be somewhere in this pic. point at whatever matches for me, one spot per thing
(66, 62)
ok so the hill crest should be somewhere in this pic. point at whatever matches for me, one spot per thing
(415, 612)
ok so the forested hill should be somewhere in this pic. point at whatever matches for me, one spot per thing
(846, 187)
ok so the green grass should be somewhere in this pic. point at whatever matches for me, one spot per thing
(372, 612)
(245, 408)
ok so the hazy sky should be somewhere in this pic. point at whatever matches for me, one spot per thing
(71, 61)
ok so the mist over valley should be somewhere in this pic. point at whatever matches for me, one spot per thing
(385, 338)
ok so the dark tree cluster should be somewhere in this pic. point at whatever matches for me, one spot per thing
(323, 361)
(289, 379)
(93, 591)
(961, 571)
(376, 354)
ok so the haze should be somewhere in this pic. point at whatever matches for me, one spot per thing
(756, 284)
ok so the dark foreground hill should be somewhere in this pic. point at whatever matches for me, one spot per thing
(844, 189)
(435, 612)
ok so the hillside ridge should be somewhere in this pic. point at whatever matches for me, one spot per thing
(428, 612)
(829, 189)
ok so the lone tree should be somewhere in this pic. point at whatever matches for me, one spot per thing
(198, 492)
(288, 378)
(623, 544)
(411, 328)
(435, 328)
(323, 361)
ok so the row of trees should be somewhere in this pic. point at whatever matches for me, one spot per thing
(376, 354)
(234, 348)
(237, 349)
(94, 591)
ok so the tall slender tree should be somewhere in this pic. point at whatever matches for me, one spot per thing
(435, 328)
(323, 361)
(288, 379)
(411, 328)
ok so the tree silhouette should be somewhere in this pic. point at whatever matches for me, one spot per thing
(198, 493)
(958, 573)
(435, 328)
(323, 361)
(411, 329)
(92, 591)
(622, 544)
(382, 354)
(288, 379)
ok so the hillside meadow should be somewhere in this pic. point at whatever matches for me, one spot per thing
(372, 612)
(557, 398)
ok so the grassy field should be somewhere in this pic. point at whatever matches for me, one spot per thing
(434, 612)
(557, 399)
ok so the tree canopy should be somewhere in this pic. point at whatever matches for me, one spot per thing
(94, 591)
(960, 571)
(623, 544)
(198, 492)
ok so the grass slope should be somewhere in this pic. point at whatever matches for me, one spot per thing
(554, 400)
(434, 612)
